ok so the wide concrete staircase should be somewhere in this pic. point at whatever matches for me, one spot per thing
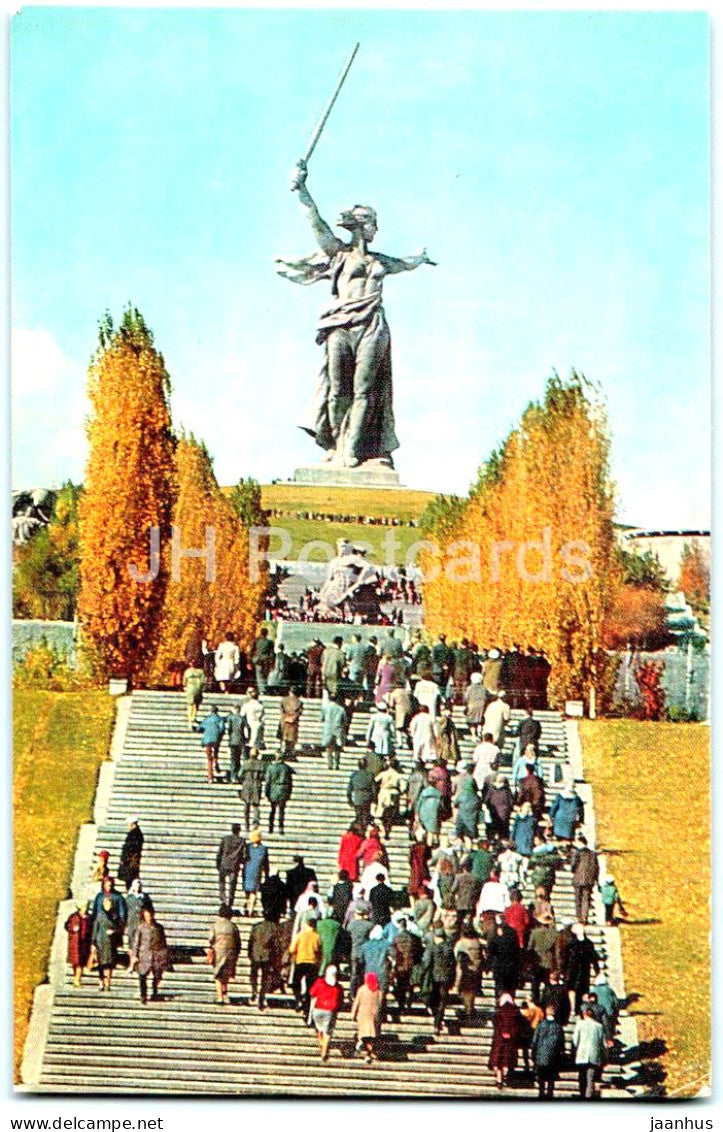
(185, 1043)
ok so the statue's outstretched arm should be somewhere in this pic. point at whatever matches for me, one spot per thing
(392, 265)
(325, 238)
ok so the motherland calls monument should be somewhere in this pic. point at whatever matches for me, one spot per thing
(352, 415)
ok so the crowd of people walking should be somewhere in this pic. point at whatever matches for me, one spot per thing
(487, 836)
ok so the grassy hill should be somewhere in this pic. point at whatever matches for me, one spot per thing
(339, 512)
(652, 800)
(399, 503)
(60, 740)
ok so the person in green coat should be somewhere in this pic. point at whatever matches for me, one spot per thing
(482, 859)
(429, 804)
(328, 931)
(469, 805)
(278, 784)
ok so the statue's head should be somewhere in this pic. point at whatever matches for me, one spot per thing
(360, 218)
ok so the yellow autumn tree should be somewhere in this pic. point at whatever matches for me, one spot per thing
(212, 593)
(531, 559)
(130, 487)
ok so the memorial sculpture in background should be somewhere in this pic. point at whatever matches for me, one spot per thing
(351, 588)
(31, 511)
(352, 415)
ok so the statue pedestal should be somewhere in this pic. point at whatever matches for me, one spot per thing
(371, 474)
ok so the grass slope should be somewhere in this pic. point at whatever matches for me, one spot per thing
(400, 503)
(60, 739)
(304, 531)
(652, 802)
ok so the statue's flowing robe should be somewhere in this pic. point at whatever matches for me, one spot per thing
(380, 438)
(347, 573)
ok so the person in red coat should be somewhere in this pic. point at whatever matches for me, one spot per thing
(372, 850)
(419, 875)
(326, 997)
(349, 847)
(79, 927)
(517, 916)
(506, 1032)
(531, 789)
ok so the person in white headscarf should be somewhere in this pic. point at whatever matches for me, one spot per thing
(326, 999)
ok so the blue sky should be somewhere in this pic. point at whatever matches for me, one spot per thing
(555, 164)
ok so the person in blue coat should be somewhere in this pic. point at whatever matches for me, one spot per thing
(523, 829)
(256, 869)
(429, 804)
(469, 805)
(375, 957)
(212, 728)
(567, 812)
(548, 1052)
(608, 1002)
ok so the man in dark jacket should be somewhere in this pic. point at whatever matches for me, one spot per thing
(340, 896)
(313, 670)
(229, 859)
(361, 792)
(441, 660)
(406, 952)
(263, 658)
(530, 732)
(130, 859)
(582, 959)
(381, 898)
(260, 951)
(465, 889)
(556, 998)
(443, 970)
(235, 733)
(278, 784)
(585, 873)
(297, 880)
(274, 897)
(251, 780)
(548, 1050)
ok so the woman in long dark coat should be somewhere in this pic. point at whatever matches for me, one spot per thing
(108, 928)
(149, 953)
(582, 958)
(130, 858)
(504, 957)
(506, 1029)
(79, 927)
(500, 803)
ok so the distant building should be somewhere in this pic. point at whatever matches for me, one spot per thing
(666, 545)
